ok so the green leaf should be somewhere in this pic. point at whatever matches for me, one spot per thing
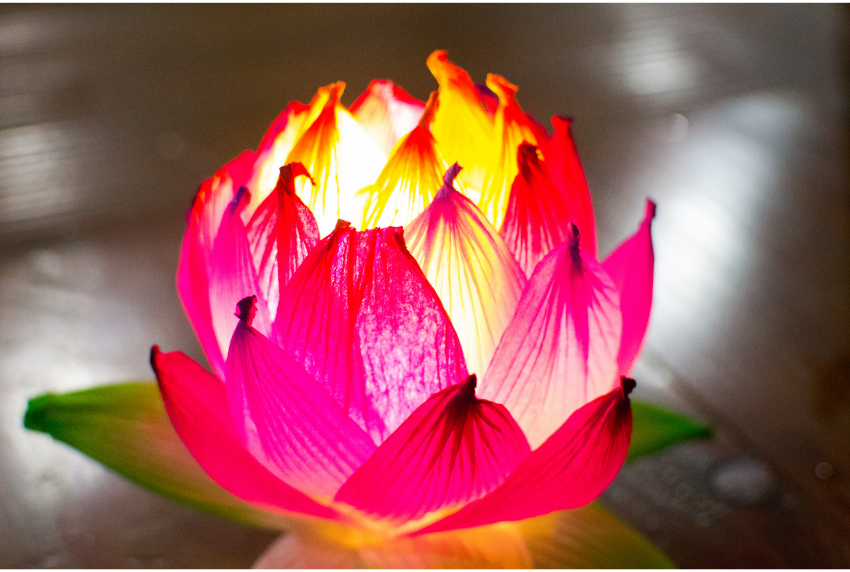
(656, 428)
(125, 427)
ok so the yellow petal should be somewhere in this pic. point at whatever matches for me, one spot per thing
(410, 179)
(512, 127)
(461, 126)
(342, 158)
(470, 267)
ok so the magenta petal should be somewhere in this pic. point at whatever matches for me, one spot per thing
(285, 418)
(453, 449)
(232, 273)
(569, 470)
(281, 232)
(362, 319)
(560, 349)
(564, 165)
(630, 266)
(537, 219)
(196, 402)
(193, 271)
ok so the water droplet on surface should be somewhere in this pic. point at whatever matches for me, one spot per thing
(746, 481)
(823, 471)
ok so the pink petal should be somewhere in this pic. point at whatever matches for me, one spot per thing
(453, 449)
(470, 267)
(560, 349)
(512, 127)
(232, 274)
(386, 112)
(569, 470)
(537, 219)
(281, 232)
(361, 318)
(630, 266)
(196, 402)
(193, 271)
(564, 165)
(286, 419)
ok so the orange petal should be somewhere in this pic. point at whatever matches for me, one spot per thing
(342, 158)
(470, 267)
(386, 112)
(512, 127)
(461, 126)
(410, 179)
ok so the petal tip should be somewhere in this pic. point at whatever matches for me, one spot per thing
(627, 384)
(246, 309)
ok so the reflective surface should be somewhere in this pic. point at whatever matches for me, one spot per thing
(732, 118)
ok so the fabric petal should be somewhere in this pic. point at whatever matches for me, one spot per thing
(273, 150)
(342, 158)
(193, 270)
(566, 171)
(386, 112)
(568, 470)
(560, 349)
(631, 266)
(537, 219)
(410, 179)
(470, 267)
(196, 402)
(453, 449)
(511, 128)
(232, 273)
(462, 127)
(361, 318)
(281, 232)
(125, 427)
(286, 419)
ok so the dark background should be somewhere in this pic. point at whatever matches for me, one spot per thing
(732, 117)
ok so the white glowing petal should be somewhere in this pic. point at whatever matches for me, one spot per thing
(360, 163)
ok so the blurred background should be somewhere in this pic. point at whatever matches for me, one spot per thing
(734, 118)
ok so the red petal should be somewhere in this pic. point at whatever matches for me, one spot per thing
(560, 349)
(512, 127)
(281, 233)
(196, 402)
(286, 419)
(386, 112)
(360, 316)
(563, 164)
(410, 179)
(569, 470)
(193, 270)
(537, 218)
(462, 127)
(471, 268)
(453, 449)
(630, 267)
